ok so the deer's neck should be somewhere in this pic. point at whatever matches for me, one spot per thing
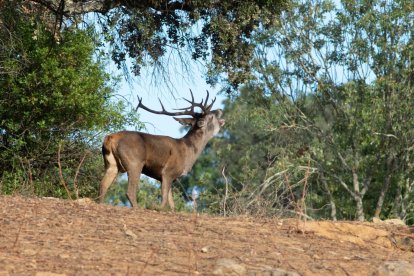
(194, 141)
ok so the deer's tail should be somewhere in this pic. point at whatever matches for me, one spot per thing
(106, 146)
(109, 152)
(107, 149)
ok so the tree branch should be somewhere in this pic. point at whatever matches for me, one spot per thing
(343, 184)
(73, 7)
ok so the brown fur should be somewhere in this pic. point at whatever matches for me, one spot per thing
(160, 157)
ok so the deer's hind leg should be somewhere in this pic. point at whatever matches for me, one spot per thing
(111, 172)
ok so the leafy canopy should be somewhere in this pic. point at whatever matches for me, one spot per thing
(52, 93)
(217, 32)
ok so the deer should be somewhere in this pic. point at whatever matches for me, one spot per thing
(160, 157)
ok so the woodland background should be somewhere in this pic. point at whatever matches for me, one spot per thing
(319, 117)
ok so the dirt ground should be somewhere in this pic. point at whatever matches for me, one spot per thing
(46, 236)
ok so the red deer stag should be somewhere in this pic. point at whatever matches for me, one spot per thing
(160, 157)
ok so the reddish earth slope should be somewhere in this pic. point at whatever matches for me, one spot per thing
(43, 236)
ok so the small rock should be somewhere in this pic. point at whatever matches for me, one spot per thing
(282, 272)
(269, 271)
(7, 268)
(84, 201)
(376, 220)
(396, 268)
(29, 252)
(45, 273)
(205, 249)
(228, 267)
(396, 221)
(131, 234)
(64, 256)
(50, 198)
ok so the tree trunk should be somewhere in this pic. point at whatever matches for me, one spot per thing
(381, 197)
(406, 198)
(385, 186)
(357, 196)
(360, 208)
(396, 209)
(331, 200)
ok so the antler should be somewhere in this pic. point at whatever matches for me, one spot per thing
(208, 108)
(204, 107)
(186, 111)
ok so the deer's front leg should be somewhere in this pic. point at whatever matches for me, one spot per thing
(171, 198)
(166, 192)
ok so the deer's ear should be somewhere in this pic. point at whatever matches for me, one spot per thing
(185, 121)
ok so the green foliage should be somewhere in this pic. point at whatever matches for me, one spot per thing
(217, 32)
(327, 122)
(53, 94)
(264, 154)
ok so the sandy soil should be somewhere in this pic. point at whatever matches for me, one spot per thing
(45, 236)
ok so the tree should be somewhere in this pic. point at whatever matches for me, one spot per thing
(146, 31)
(333, 90)
(55, 99)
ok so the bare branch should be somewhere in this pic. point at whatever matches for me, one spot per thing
(343, 184)
(226, 192)
(62, 180)
(75, 179)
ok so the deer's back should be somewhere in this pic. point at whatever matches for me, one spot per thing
(154, 152)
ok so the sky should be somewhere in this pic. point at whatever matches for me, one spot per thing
(171, 92)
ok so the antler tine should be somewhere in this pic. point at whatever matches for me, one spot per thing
(211, 105)
(192, 98)
(203, 105)
(208, 108)
(184, 108)
(139, 103)
(192, 95)
(192, 102)
(163, 111)
(208, 94)
(162, 106)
